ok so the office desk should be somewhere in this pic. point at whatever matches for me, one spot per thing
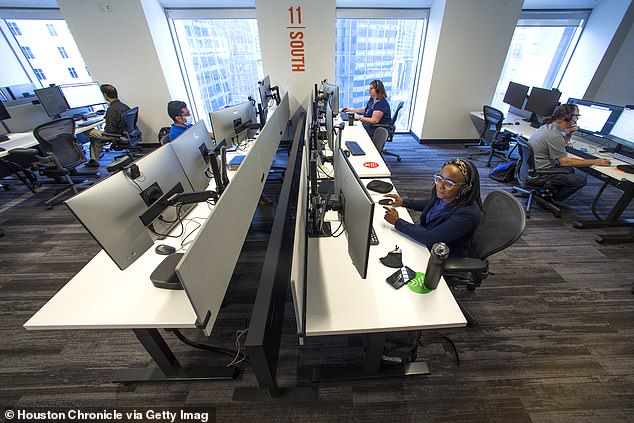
(340, 302)
(27, 139)
(370, 165)
(608, 174)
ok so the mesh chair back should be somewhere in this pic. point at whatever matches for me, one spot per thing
(379, 138)
(398, 109)
(130, 128)
(526, 164)
(58, 138)
(493, 119)
(502, 224)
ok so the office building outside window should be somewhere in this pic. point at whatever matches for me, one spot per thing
(388, 48)
(220, 58)
(13, 27)
(39, 73)
(52, 55)
(51, 30)
(540, 50)
(28, 53)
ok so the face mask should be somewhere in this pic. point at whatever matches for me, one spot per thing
(190, 120)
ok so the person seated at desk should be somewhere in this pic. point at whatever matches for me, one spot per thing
(114, 124)
(548, 144)
(450, 215)
(377, 111)
(182, 117)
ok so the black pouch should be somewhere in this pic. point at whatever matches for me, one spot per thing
(393, 259)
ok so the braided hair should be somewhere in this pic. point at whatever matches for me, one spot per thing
(472, 178)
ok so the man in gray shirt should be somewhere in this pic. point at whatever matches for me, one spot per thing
(548, 144)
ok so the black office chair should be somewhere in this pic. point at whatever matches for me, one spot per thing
(491, 138)
(18, 163)
(131, 136)
(391, 128)
(380, 138)
(529, 181)
(502, 224)
(164, 135)
(62, 156)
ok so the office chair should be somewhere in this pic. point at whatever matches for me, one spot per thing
(491, 138)
(502, 224)
(18, 163)
(131, 135)
(62, 156)
(529, 181)
(391, 128)
(164, 135)
(380, 138)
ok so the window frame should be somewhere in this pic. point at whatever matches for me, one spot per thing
(415, 13)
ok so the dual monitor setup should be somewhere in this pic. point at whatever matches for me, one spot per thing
(57, 99)
(347, 195)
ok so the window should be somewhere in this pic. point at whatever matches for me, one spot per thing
(57, 53)
(386, 47)
(28, 53)
(540, 50)
(51, 29)
(220, 57)
(13, 27)
(40, 75)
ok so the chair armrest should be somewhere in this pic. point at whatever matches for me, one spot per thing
(111, 135)
(465, 265)
(555, 171)
(25, 151)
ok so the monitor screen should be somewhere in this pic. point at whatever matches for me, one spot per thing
(231, 123)
(595, 118)
(21, 91)
(192, 150)
(52, 100)
(542, 101)
(329, 127)
(357, 213)
(83, 95)
(332, 91)
(623, 130)
(516, 95)
(4, 114)
(264, 87)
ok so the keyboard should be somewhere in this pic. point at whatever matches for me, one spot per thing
(624, 158)
(582, 154)
(374, 240)
(88, 122)
(355, 148)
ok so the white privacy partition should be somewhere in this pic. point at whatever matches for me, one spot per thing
(298, 265)
(206, 268)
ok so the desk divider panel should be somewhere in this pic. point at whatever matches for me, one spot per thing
(298, 267)
(206, 268)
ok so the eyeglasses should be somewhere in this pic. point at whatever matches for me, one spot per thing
(577, 115)
(448, 183)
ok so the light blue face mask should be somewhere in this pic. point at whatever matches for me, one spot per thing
(190, 120)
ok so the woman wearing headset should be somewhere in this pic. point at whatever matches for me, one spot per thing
(548, 144)
(377, 111)
(450, 215)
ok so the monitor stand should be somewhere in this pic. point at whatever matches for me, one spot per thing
(164, 276)
(6, 128)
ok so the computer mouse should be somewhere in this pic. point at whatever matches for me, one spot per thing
(386, 201)
(164, 249)
(2, 149)
(101, 112)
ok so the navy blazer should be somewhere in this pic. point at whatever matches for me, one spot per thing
(454, 227)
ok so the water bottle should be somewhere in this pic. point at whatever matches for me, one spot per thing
(350, 119)
(436, 264)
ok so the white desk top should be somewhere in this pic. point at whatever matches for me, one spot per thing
(371, 165)
(524, 129)
(340, 302)
(27, 140)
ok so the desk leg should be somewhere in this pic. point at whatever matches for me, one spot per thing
(169, 369)
(373, 367)
(613, 218)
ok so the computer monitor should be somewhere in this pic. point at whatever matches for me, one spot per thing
(623, 130)
(4, 115)
(52, 100)
(82, 95)
(332, 91)
(192, 149)
(596, 118)
(329, 127)
(357, 212)
(516, 95)
(231, 123)
(542, 101)
(110, 210)
(268, 93)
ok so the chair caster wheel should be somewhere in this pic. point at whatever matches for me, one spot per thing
(514, 191)
(49, 207)
(398, 159)
(471, 288)
(558, 215)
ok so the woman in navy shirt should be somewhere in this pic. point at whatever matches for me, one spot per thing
(450, 215)
(377, 111)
